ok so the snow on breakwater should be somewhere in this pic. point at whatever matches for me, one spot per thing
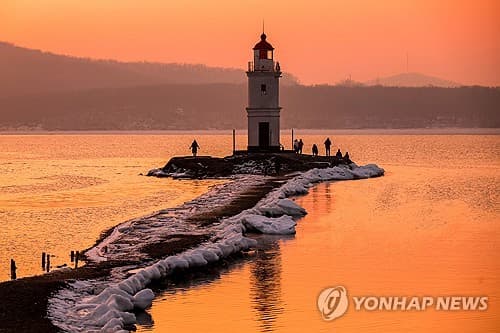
(78, 308)
(127, 240)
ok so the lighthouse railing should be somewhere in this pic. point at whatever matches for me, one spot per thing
(269, 67)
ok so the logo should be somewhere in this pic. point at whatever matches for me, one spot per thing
(333, 302)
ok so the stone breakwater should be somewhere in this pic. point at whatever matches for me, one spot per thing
(254, 164)
(108, 305)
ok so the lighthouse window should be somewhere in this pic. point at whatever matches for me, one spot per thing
(263, 89)
(269, 54)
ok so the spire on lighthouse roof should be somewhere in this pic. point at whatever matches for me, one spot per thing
(263, 44)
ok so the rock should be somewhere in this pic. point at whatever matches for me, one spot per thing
(143, 299)
(283, 225)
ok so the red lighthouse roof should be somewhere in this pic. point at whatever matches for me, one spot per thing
(263, 44)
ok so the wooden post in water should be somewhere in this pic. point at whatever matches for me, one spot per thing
(77, 255)
(43, 260)
(13, 269)
(72, 255)
(292, 138)
(47, 268)
(234, 140)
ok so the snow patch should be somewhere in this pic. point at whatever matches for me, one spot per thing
(284, 225)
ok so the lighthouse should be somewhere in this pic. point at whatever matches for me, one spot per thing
(263, 109)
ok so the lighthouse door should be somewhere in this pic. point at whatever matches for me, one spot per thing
(264, 135)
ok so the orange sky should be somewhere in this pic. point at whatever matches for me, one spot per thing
(320, 41)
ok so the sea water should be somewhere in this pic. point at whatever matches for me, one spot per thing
(428, 227)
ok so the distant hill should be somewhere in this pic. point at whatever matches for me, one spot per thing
(27, 71)
(222, 106)
(45, 91)
(412, 80)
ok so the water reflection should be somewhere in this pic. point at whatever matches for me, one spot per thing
(144, 319)
(322, 200)
(266, 283)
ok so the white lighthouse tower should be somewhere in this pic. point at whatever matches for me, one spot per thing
(263, 109)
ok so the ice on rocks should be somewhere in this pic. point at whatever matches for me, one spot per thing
(196, 260)
(157, 173)
(283, 225)
(125, 286)
(113, 325)
(126, 318)
(208, 255)
(106, 294)
(120, 303)
(280, 207)
(143, 299)
(177, 262)
(98, 312)
(213, 248)
(153, 272)
(226, 249)
(291, 208)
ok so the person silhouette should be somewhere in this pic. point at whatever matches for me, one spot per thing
(194, 147)
(328, 144)
(315, 150)
(338, 154)
(301, 145)
(296, 146)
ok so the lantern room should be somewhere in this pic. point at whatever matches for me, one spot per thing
(263, 55)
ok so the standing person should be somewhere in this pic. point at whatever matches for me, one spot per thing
(301, 145)
(315, 150)
(296, 146)
(194, 147)
(328, 144)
